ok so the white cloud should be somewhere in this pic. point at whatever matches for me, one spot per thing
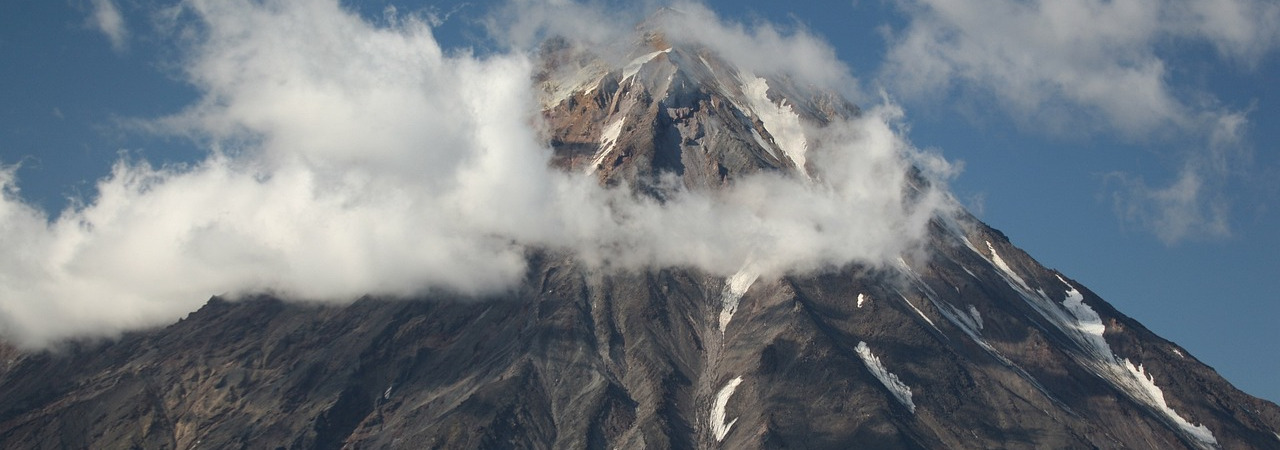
(106, 18)
(348, 158)
(1070, 65)
(761, 48)
(1193, 206)
(1175, 212)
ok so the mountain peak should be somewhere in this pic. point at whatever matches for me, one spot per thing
(676, 108)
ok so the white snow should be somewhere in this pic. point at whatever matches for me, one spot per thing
(977, 318)
(999, 262)
(734, 288)
(765, 145)
(387, 393)
(1179, 353)
(918, 311)
(922, 313)
(970, 323)
(1155, 397)
(584, 80)
(779, 120)
(906, 269)
(718, 426)
(888, 379)
(634, 66)
(862, 298)
(1083, 325)
(608, 139)
(1087, 321)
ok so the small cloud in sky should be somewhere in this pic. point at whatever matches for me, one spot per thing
(1183, 210)
(1069, 66)
(1193, 206)
(107, 19)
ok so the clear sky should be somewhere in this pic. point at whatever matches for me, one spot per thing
(1129, 144)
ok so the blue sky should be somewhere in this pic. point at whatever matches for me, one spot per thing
(1129, 144)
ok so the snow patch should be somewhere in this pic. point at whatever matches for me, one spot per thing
(780, 120)
(977, 318)
(1179, 353)
(862, 298)
(1087, 321)
(970, 323)
(1083, 325)
(734, 288)
(634, 66)
(718, 425)
(999, 262)
(888, 379)
(1155, 397)
(921, 313)
(765, 145)
(906, 268)
(585, 80)
(608, 139)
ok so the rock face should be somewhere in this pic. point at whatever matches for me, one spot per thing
(675, 110)
(971, 345)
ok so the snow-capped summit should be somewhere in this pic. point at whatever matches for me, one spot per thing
(676, 108)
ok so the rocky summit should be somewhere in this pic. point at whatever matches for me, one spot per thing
(969, 343)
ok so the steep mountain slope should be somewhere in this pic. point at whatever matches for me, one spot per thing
(968, 344)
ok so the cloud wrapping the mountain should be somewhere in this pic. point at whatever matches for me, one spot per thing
(347, 158)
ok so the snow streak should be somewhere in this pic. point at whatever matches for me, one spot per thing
(1155, 397)
(634, 67)
(888, 379)
(977, 317)
(971, 325)
(779, 120)
(718, 425)
(1083, 325)
(608, 139)
(1004, 267)
(734, 288)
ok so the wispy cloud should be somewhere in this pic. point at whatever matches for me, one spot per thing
(1071, 65)
(1194, 205)
(107, 19)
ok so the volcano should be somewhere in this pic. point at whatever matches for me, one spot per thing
(967, 343)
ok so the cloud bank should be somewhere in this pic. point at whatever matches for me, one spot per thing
(1069, 65)
(350, 158)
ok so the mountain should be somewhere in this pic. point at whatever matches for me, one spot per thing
(969, 343)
